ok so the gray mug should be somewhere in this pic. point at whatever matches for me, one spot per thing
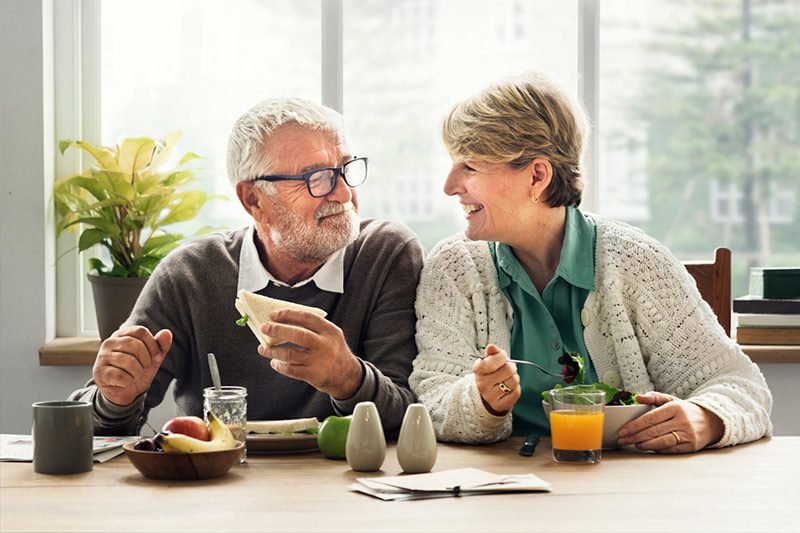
(62, 437)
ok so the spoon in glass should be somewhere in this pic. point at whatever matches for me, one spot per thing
(520, 361)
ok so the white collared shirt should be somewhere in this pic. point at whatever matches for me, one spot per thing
(253, 275)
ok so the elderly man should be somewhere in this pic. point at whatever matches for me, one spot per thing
(295, 176)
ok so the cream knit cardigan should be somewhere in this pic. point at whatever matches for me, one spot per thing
(646, 328)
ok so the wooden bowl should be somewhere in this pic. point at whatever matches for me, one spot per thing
(183, 466)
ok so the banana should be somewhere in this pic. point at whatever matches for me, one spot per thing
(221, 439)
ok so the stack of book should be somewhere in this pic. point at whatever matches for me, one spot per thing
(770, 314)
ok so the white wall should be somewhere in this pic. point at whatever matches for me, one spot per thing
(26, 247)
(25, 271)
(782, 380)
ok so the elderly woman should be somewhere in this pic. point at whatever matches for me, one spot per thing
(535, 277)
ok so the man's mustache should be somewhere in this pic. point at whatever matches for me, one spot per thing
(332, 209)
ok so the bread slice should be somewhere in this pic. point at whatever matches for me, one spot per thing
(266, 427)
(257, 308)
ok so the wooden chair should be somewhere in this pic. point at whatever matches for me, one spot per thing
(713, 279)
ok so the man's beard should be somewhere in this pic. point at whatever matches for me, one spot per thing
(308, 243)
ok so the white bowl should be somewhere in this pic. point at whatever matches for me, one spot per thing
(616, 416)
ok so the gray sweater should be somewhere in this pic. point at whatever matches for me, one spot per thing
(192, 293)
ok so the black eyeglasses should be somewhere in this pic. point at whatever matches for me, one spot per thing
(322, 182)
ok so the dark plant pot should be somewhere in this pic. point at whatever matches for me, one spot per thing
(113, 300)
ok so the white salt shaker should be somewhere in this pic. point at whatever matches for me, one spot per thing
(416, 446)
(366, 446)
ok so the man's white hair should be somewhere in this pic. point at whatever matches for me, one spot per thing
(247, 158)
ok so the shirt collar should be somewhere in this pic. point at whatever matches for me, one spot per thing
(577, 252)
(253, 275)
(576, 265)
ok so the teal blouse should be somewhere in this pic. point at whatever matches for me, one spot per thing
(547, 325)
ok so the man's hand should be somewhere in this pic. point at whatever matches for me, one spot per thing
(128, 361)
(320, 356)
(497, 381)
(674, 426)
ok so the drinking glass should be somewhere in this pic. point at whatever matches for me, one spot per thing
(576, 424)
(229, 404)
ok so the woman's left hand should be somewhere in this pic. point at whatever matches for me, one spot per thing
(674, 426)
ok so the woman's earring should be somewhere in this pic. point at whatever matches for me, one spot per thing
(535, 200)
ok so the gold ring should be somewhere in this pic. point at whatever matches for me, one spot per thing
(504, 387)
(677, 438)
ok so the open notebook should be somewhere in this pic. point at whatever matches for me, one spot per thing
(448, 483)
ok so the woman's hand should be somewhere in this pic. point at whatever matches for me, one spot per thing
(674, 426)
(497, 381)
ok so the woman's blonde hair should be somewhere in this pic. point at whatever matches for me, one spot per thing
(518, 119)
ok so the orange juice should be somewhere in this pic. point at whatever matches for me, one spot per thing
(577, 430)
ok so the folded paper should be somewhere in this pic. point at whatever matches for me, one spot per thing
(458, 482)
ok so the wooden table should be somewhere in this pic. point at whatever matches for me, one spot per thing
(754, 487)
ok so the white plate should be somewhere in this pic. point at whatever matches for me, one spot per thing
(281, 444)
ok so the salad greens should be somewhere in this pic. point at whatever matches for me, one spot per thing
(574, 370)
(242, 321)
(573, 367)
(614, 396)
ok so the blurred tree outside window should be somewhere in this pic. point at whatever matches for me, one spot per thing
(700, 126)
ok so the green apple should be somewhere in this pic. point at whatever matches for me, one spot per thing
(332, 436)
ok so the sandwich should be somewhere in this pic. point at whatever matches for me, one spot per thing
(283, 427)
(255, 310)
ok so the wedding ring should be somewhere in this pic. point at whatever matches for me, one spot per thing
(677, 438)
(504, 387)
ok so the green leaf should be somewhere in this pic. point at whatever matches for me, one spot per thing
(177, 179)
(144, 266)
(98, 266)
(188, 157)
(165, 150)
(90, 237)
(109, 227)
(149, 184)
(114, 184)
(134, 155)
(190, 204)
(205, 230)
(243, 321)
(105, 157)
(119, 271)
(154, 243)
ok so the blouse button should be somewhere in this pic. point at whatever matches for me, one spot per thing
(585, 318)
(556, 345)
(612, 379)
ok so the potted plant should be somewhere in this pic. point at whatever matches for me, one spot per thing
(123, 202)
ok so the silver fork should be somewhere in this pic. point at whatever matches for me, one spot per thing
(520, 361)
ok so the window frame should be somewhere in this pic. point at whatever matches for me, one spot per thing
(77, 116)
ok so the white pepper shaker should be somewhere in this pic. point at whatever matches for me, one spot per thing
(416, 446)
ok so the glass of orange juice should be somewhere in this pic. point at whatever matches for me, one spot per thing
(576, 424)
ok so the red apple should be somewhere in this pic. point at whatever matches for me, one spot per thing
(188, 425)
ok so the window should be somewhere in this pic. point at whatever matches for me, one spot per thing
(405, 64)
(670, 153)
(699, 115)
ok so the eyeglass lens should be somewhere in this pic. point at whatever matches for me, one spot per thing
(322, 183)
